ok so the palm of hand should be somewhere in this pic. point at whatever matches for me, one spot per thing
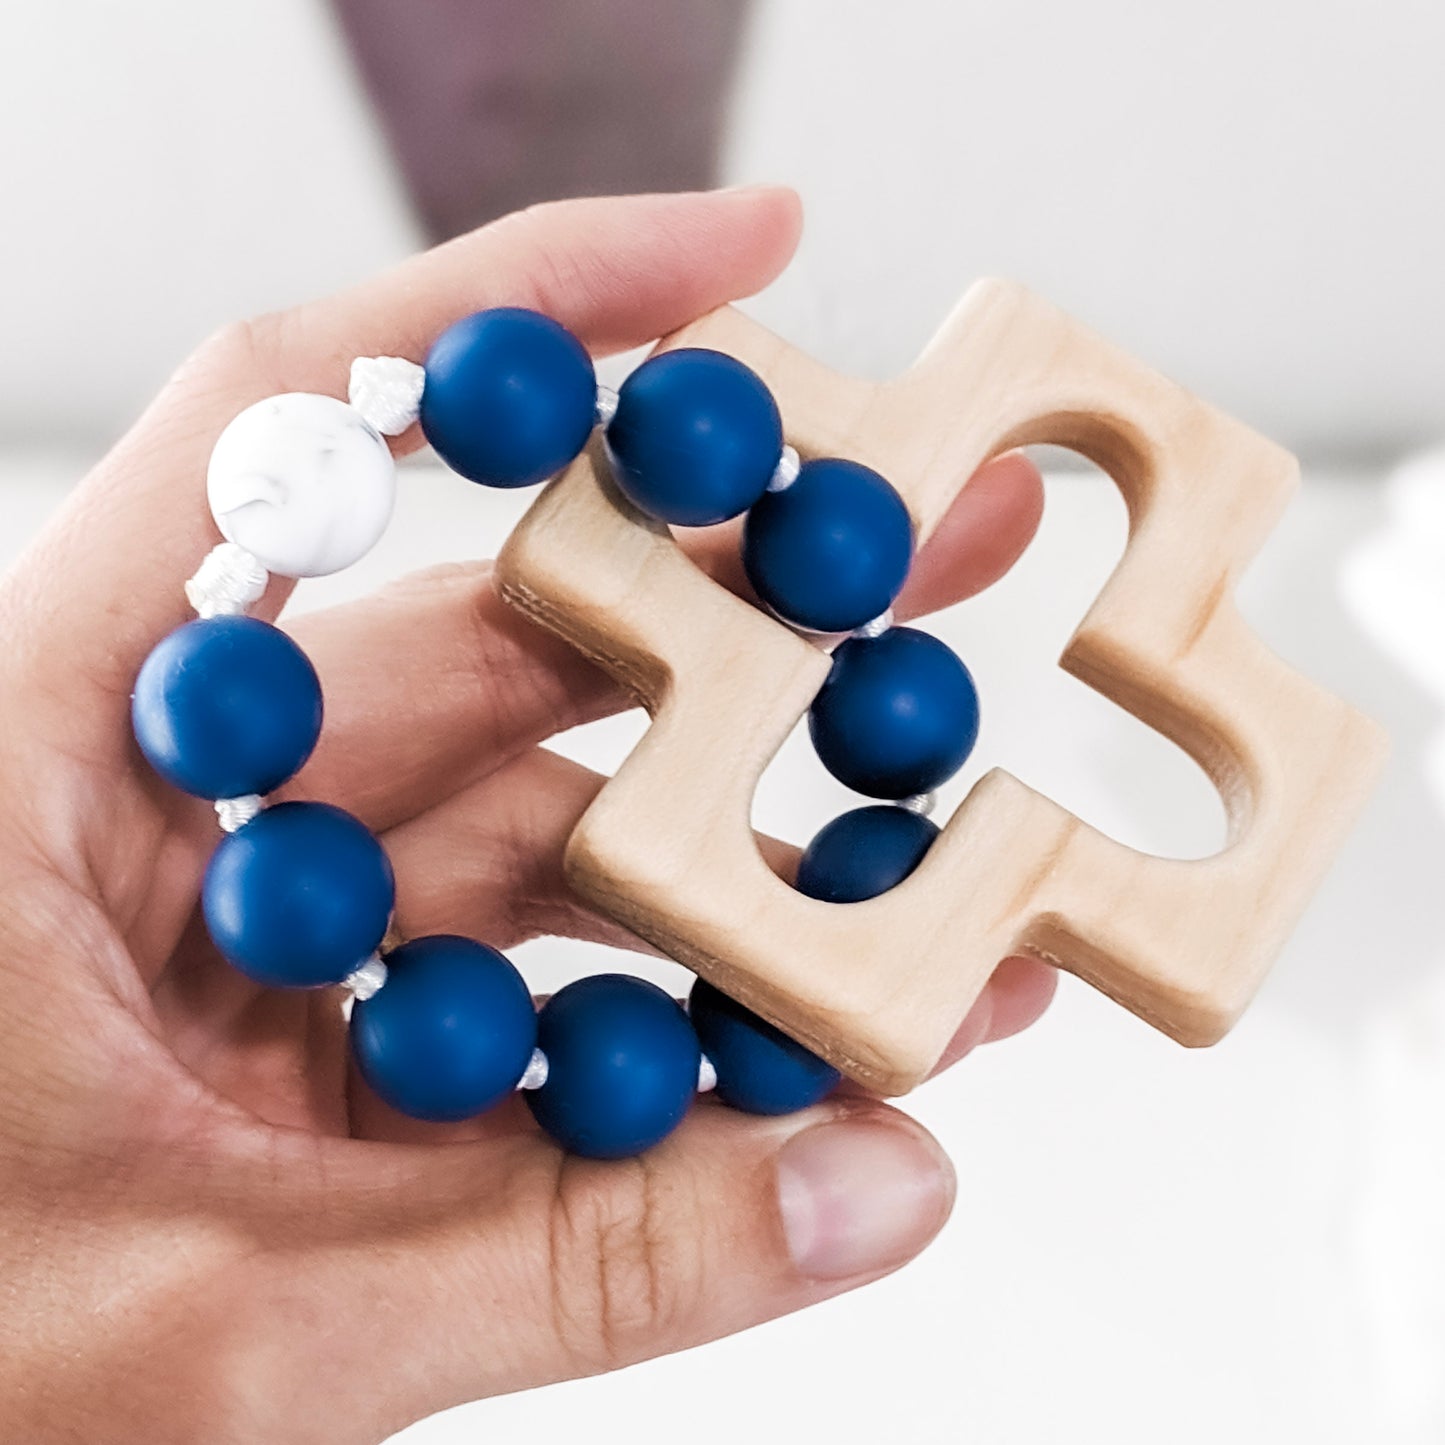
(211, 1229)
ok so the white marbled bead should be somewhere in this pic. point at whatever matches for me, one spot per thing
(302, 482)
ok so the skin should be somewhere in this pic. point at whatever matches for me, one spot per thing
(209, 1229)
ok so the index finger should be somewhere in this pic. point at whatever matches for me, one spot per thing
(104, 581)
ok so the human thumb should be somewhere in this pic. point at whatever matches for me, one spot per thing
(510, 1265)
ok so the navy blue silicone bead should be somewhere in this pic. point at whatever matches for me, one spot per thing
(299, 896)
(898, 714)
(759, 1068)
(622, 1063)
(510, 397)
(226, 706)
(863, 853)
(450, 1032)
(832, 551)
(696, 437)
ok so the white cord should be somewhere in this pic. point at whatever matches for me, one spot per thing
(366, 979)
(786, 472)
(877, 627)
(387, 390)
(228, 580)
(921, 803)
(606, 405)
(233, 813)
(535, 1074)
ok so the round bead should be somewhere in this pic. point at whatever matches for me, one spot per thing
(863, 853)
(696, 437)
(897, 716)
(299, 896)
(759, 1068)
(510, 397)
(303, 483)
(832, 551)
(449, 1033)
(622, 1064)
(226, 706)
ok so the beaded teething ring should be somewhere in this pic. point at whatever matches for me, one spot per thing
(300, 894)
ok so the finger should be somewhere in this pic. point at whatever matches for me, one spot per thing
(481, 685)
(489, 863)
(618, 271)
(980, 537)
(592, 1266)
(103, 583)
(1022, 990)
(1015, 996)
(992, 519)
(430, 684)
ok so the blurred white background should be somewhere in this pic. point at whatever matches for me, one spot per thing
(1247, 192)
(1242, 1243)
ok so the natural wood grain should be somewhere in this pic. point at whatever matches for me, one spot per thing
(879, 987)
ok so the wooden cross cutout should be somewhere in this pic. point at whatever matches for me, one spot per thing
(879, 987)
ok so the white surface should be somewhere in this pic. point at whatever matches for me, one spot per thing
(169, 167)
(303, 482)
(1249, 195)
(1149, 1243)
(1396, 586)
(1395, 583)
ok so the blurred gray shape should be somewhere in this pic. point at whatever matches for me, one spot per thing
(492, 105)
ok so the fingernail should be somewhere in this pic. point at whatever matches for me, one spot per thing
(861, 1195)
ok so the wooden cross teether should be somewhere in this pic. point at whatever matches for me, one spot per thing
(879, 987)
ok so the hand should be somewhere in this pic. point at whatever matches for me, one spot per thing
(209, 1229)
